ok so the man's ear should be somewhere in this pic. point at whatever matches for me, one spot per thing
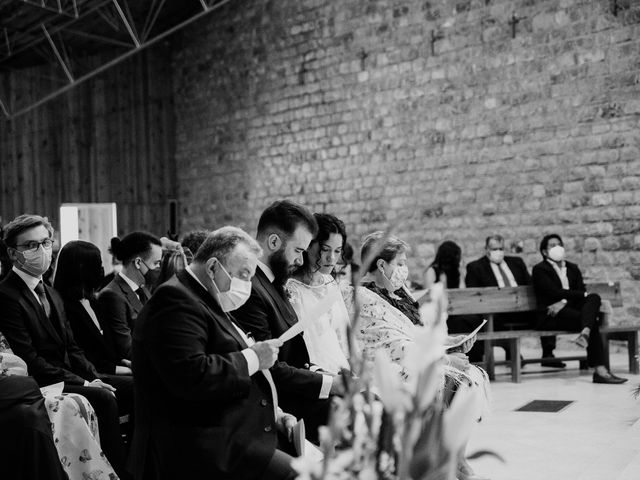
(12, 253)
(380, 264)
(211, 264)
(274, 242)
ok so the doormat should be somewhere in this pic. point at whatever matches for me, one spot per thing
(552, 406)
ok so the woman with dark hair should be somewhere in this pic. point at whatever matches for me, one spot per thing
(122, 299)
(447, 261)
(316, 298)
(78, 275)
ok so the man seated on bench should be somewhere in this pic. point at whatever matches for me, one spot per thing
(495, 269)
(565, 304)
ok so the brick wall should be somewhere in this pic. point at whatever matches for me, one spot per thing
(349, 107)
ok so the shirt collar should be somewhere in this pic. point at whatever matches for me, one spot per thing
(556, 266)
(134, 286)
(31, 281)
(267, 271)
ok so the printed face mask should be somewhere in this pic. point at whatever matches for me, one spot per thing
(398, 277)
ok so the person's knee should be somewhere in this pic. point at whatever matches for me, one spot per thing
(593, 298)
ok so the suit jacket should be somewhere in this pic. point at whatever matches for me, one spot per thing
(548, 286)
(267, 314)
(198, 412)
(45, 344)
(95, 346)
(480, 274)
(118, 308)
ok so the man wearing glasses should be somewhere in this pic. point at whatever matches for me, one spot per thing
(33, 320)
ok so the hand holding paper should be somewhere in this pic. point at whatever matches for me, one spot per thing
(466, 338)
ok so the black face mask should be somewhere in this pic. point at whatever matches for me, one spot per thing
(151, 277)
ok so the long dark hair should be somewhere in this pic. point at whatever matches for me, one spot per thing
(79, 271)
(447, 261)
(327, 225)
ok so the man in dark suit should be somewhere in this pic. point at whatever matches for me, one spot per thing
(495, 269)
(561, 292)
(285, 230)
(33, 319)
(206, 404)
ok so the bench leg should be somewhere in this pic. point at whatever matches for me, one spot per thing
(514, 348)
(632, 348)
(489, 362)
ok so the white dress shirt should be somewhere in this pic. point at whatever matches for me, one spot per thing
(507, 271)
(31, 281)
(562, 273)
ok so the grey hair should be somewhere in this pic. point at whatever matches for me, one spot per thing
(496, 237)
(221, 242)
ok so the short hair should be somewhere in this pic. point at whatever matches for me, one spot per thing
(78, 270)
(545, 241)
(286, 216)
(496, 237)
(387, 249)
(133, 245)
(23, 223)
(193, 239)
(221, 242)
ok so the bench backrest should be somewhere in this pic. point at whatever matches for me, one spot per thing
(514, 299)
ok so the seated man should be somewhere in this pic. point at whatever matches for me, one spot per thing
(34, 322)
(495, 269)
(566, 305)
(27, 451)
(206, 405)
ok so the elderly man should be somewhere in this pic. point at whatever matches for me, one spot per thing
(206, 404)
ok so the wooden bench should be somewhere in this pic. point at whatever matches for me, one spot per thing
(493, 300)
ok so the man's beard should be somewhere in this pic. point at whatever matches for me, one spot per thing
(281, 269)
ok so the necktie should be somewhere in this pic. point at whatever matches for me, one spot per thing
(142, 295)
(43, 298)
(504, 276)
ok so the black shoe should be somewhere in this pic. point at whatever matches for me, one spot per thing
(619, 378)
(609, 378)
(552, 362)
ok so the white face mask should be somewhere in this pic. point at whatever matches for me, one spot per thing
(398, 277)
(556, 253)
(35, 262)
(238, 293)
(496, 256)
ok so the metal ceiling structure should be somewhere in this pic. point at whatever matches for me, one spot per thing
(62, 43)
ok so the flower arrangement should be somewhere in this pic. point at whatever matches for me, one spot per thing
(387, 428)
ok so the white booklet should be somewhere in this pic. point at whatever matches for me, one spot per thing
(467, 337)
(53, 390)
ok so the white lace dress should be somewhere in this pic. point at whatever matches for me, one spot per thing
(324, 316)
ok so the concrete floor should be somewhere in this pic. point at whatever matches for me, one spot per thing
(595, 438)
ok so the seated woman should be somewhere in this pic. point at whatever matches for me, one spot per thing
(78, 276)
(173, 261)
(59, 430)
(390, 319)
(316, 298)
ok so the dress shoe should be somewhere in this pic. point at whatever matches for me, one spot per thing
(608, 378)
(619, 378)
(552, 362)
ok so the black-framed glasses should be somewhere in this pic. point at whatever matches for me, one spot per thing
(33, 245)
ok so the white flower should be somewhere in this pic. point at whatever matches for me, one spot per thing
(460, 417)
(388, 384)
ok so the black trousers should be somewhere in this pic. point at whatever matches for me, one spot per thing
(108, 410)
(574, 317)
(27, 451)
(279, 467)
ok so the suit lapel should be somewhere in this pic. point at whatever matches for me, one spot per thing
(491, 278)
(282, 305)
(32, 303)
(132, 297)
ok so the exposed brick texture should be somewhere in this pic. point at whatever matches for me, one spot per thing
(348, 107)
